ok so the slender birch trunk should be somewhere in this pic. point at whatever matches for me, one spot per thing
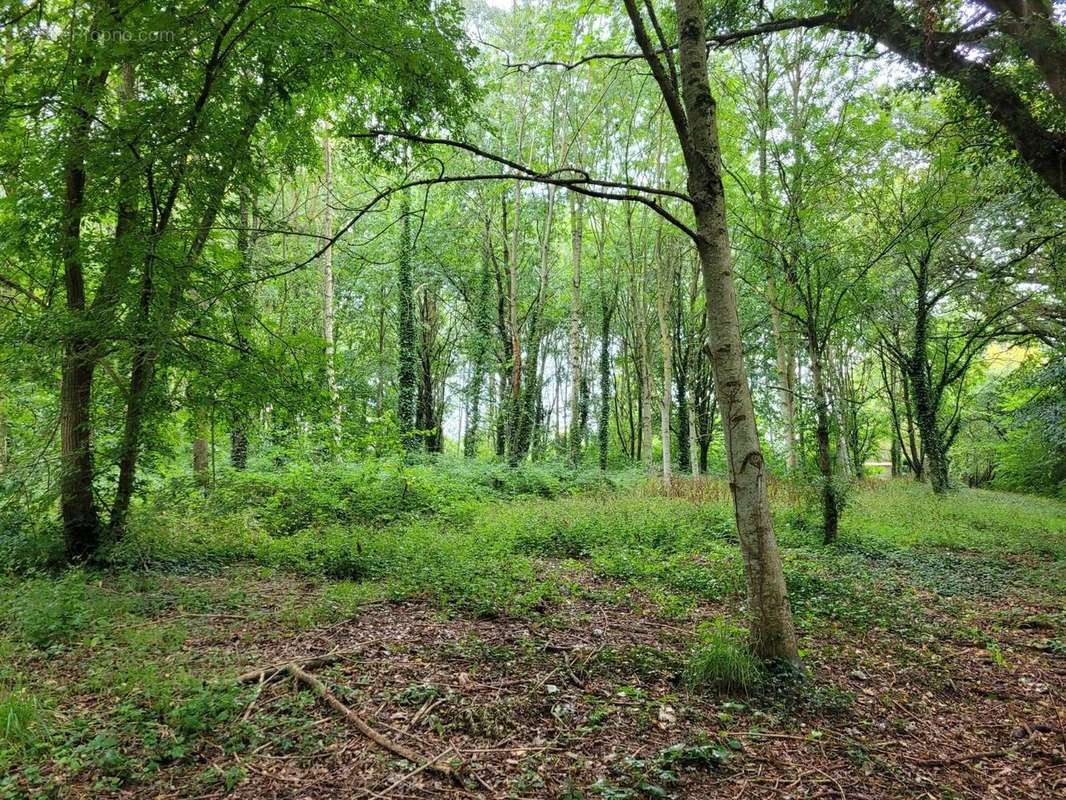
(327, 293)
(662, 304)
(772, 631)
(577, 223)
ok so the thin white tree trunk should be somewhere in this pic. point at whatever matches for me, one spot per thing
(577, 222)
(327, 293)
(662, 304)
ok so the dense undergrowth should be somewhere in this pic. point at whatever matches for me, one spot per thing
(481, 540)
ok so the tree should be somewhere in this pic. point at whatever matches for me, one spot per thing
(150, 141)
(686, 93)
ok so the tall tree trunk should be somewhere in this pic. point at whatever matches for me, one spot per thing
(327, 294)
(647, 444)
(786, 377)
(151, 332)
(662, 304)
(684, 437)
(830, 507)
(238, 449)
(426, 407)
(784, 356)
(577, 223)
(773, 635)
(603, 432)
(81, 519)
(514, 405)
(406, 344)
(694, 444)
(924, 406)
(201, 457)
(482, 332)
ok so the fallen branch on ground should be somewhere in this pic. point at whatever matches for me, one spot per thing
(959, 759)
(267, 673)
(387, 744)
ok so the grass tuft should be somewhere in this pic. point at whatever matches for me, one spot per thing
(722, 661)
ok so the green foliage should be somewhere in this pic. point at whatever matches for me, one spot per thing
(20, 716)
(652, 777)
(722, 661)
(1027, 461)
(51, 611)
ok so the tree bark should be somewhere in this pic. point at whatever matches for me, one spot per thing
(924, 406)
(482, 333)
(830, 506)
(772, 631)
(406, 379)
(238, 448)
(81, 519)
(327, 294)
(577, 222)
(662, 306)
(603, 432)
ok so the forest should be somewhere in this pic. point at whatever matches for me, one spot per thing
(577, 399)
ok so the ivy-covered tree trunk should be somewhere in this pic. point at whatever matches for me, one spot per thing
(603, 431)
(482, 313)
(684, 460)
(405, 342)
(328, 321)
(924, 405)
(830, 507)
(703, 406)
(238, 444)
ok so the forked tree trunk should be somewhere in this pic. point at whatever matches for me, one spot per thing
(773, 635)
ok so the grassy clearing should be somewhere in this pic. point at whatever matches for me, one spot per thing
(109, 678)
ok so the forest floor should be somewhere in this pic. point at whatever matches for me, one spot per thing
(934, 638)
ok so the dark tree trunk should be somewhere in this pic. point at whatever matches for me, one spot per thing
(682, 348)
(81, 519)
(238, 449)
(604, 433)
(406, 379)
(924, 405)
(830, 507)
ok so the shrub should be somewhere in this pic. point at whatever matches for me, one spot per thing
(49, 611)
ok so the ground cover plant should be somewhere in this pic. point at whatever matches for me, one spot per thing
(591, 644)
